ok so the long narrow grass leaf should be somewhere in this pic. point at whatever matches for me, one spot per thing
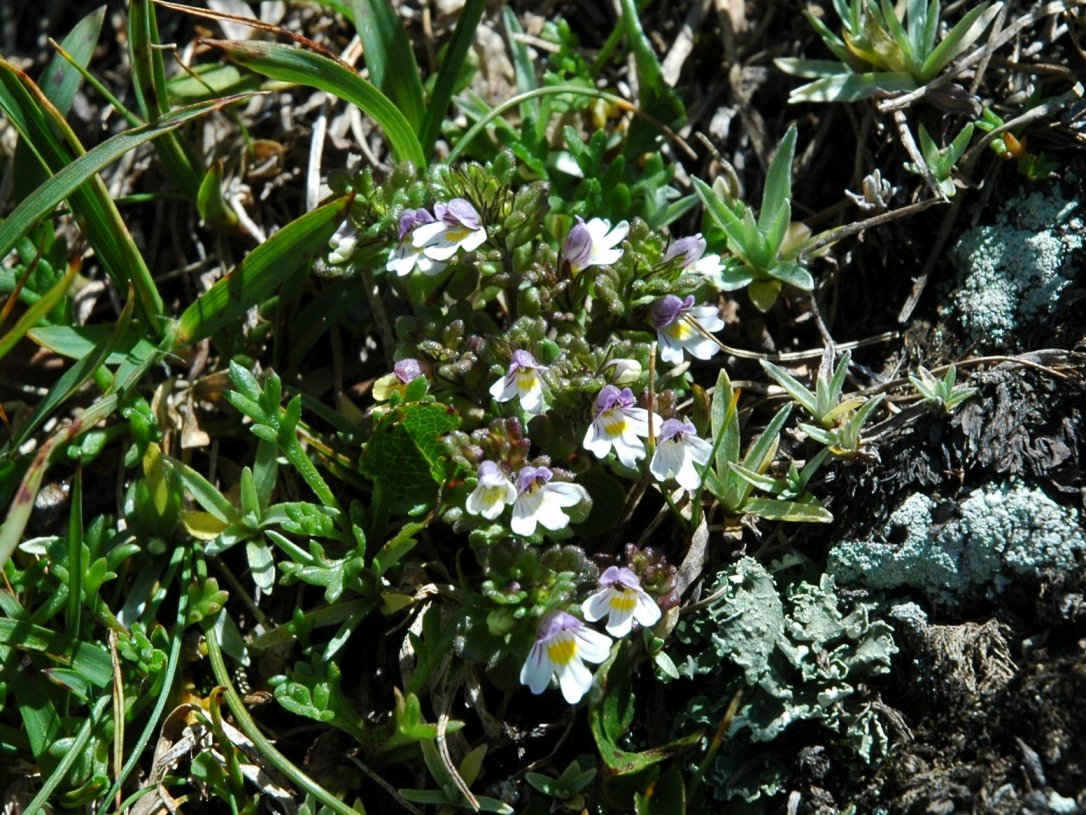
(263, 270)
(91, 661)
(76, 179)
(448, 75)
(289, 64)
(60, 81)
(149, 83)
(71, 177)
(958, 39)
(37, 311)
(390, 58)
(92, 355)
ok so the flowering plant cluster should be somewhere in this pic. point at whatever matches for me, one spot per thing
(563, 347)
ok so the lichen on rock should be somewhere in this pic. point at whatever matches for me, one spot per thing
(1000, 531)
(1012, 272)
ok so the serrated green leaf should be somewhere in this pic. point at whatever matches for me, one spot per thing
(406, 454)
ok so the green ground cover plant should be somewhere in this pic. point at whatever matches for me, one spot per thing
(462, 469)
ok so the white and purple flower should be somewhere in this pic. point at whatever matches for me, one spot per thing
(563, 645)
(622, 601)
(694, 259)
(679, 454)
(407, 257)
(681, 325)
(522, 381)
(541, 502)
(594, 243)
(618, 425)
(456, 225)
(493, 492)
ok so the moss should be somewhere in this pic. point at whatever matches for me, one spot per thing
(1000, 531)
(1013, 272)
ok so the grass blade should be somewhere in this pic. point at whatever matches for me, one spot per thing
(655, 97)
(149, 83)
(455, 54)
(73, 378)
(390, 58)
(261, 272)
(92, 662)
(288, 64)
(93, 202)
(60, 81)
(37, 311)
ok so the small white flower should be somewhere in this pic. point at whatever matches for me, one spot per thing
(621, 600)
(594, 243)
(694, 259)
(493, 492)
(679, 453)
(342, 244)
(522, 380)
(456, 226)
(407, 257)
(619, 425)
(540, 502)
(680, 324)
(563, 645)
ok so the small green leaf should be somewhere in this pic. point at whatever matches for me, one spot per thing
(778, 183)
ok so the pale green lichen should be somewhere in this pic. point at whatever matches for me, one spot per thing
(1012, 272)
(800, 659)
(1000, 531)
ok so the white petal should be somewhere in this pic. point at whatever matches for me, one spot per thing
(474, 240)
(565, 494)
(629, 450)
(503, 390)
(646, 612)
(401, 261)
(708, 317)
(525, 513)
(592, 646)
(597, 441)
(666, 460)
(537, 669)
(670, 350)
(596, 607)
(604, 257)
(428, 233)
(440, 249)
(550, 513)
(428, 266)
(701, 347)
(532, 399)
(698, 449)
(638, 421)
(575, 680)
(619, 623)
(687, 475)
